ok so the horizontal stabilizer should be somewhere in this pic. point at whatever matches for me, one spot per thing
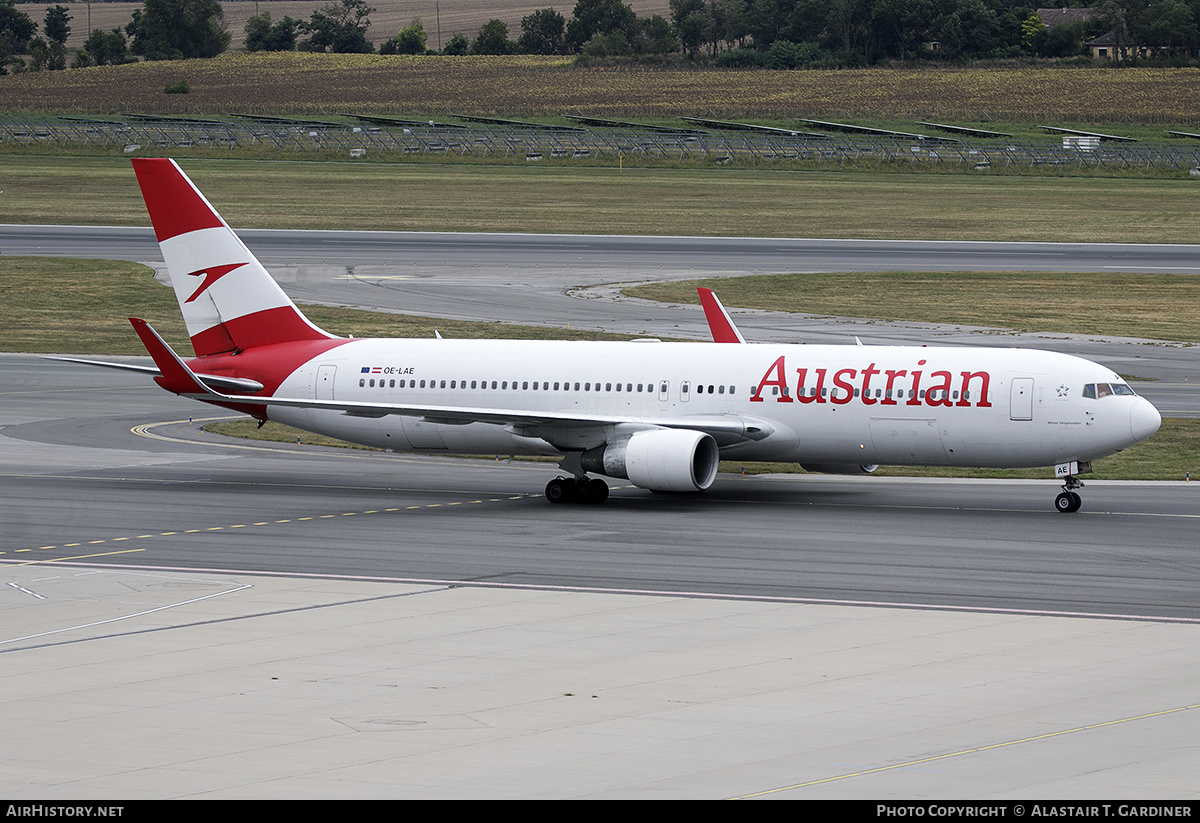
(174, 374)
(213, 381)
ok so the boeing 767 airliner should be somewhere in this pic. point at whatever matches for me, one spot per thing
(659, 414)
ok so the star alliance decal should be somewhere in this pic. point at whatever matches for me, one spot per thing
(1062, 391)
(211, 275)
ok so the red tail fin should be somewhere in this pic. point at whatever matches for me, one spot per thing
(229, 301)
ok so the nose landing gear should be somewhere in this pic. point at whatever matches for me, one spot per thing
(1068, 500)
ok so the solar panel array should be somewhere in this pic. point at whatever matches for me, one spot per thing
(133, 134)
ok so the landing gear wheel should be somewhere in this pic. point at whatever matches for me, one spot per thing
(560, 490)
(596, 491)
(1068, 502)
(572, 490)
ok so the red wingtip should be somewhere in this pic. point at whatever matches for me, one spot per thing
(719, 324)
(175, 206)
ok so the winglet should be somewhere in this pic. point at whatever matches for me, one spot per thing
(719, 322)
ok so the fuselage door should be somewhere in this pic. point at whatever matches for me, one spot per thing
(324, 387)
(1020, 401)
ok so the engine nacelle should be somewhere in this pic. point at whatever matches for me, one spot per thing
(838, 468)
(664, 460)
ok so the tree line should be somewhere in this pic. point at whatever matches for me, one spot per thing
(781, 34)
(160, 30)
(786, 33)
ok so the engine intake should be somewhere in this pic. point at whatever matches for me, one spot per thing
(665, 460)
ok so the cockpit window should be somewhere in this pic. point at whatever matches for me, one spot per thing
(1098, 390)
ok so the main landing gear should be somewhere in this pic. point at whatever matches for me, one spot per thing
(576, 490)
(1069, 500)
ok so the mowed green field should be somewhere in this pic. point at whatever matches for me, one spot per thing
(1158, 306)
(70, 306)
(712, 202)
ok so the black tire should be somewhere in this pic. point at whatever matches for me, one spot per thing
(1065, 503)
(557, 490)
(597, 491)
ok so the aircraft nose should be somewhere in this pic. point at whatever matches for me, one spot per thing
(1144, 419)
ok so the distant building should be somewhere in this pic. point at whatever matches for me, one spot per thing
(1117, 45)
(1057, 17)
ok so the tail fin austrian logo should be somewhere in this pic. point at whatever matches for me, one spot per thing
(211, 275)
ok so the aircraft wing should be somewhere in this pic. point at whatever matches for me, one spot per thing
(179, 378)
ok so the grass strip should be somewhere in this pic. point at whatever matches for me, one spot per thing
(606, 200)
(73, 306)
(1153, 306)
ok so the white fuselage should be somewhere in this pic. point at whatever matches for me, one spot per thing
(816, 404)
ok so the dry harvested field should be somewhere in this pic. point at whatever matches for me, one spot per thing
(313, 83)
(390, 16)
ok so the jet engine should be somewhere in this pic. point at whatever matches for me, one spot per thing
(662, 460)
